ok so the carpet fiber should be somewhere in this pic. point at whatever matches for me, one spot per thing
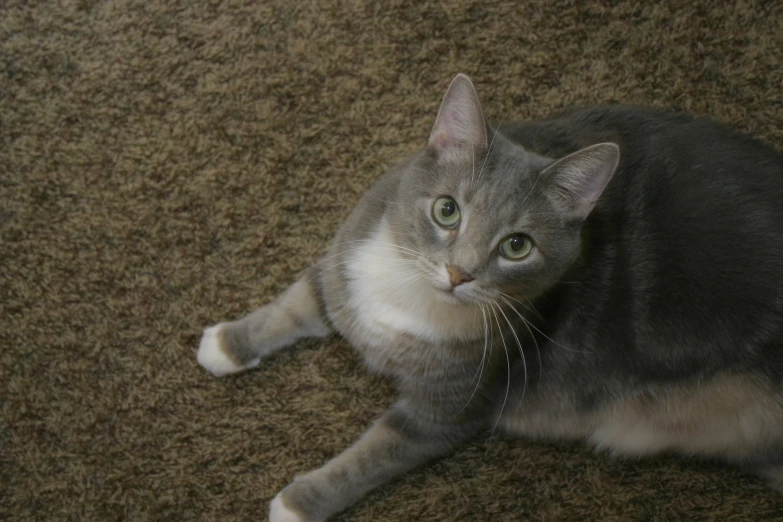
(167, 165)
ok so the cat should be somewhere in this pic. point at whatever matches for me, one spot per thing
(613, 274)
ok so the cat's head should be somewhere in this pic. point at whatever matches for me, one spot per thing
(487, 216)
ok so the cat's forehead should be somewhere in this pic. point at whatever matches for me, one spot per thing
(501, 180)
(499, 199)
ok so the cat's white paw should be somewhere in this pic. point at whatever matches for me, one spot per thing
(211, 354)
(278, 512)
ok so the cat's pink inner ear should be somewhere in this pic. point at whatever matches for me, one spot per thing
(452, 118)
(440, 139)
(579, 179)
(460, 123)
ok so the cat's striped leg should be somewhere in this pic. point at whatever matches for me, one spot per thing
(239, 345)
(400, 440)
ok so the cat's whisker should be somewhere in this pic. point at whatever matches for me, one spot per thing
(358, 248)
(382, 200)
(399, 248)
(533, 308)
(530, 308)
(335, 265)
(480, 370)
(472, 159)
(508, 366)
(322, 279)
(400, 282)
(532, 336)
(390, 283)
(401, 286)
(353, 250)
(530, 192)
(401, 223)
(377, 242)
(531, 325)
(489, 149)
(519, 344)
(402, 250)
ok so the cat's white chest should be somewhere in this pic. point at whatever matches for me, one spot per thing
(390, 296)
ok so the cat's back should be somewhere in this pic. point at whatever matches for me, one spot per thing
(644, 133)
(687, 181)
(689, 178)
(688, 236)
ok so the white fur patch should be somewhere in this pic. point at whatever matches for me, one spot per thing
(731, 416)
(389, 302)
(212, 356)
(278, 512)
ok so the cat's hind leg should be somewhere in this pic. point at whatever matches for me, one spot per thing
(769, 466)
(774, 477)
(240, 345)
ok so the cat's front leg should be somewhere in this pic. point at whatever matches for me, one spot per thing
(400, 440)
(239, 345)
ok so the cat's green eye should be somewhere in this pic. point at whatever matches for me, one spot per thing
(446, 212)
(516, 247)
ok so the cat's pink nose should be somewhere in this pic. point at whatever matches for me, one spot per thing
(457, 275)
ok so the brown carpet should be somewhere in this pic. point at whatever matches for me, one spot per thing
(166, 167)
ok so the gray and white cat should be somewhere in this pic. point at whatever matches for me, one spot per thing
(614, 274)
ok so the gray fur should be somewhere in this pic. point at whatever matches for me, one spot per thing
(579, 343)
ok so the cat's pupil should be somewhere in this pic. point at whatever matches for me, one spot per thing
(448, 209)
(516, 243)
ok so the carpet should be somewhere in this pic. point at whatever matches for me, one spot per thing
(168, 165)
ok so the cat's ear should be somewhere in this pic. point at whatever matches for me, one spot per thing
(460, 126)
(576, 182)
